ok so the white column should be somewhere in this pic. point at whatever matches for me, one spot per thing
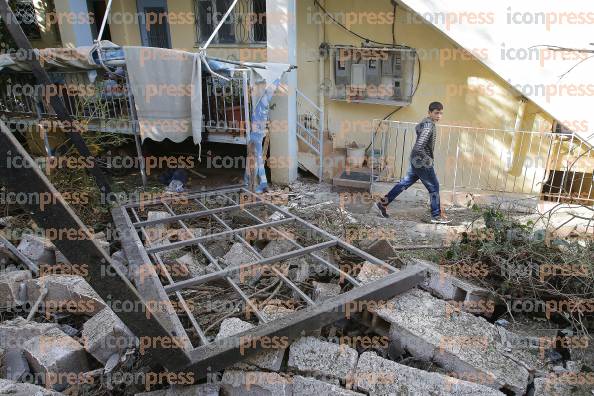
(281, 29)
(78, 33)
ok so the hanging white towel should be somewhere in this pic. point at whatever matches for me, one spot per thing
(167, 89)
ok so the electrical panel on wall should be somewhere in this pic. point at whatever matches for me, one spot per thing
(373, 74)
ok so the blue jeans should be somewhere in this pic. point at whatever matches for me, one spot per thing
(428, 178)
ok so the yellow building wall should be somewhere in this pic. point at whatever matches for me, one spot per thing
(473, 96)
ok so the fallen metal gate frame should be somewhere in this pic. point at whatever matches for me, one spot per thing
(218, 354)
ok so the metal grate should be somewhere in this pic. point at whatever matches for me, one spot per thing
(216, 213)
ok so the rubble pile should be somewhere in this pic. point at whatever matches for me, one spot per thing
(58, 336)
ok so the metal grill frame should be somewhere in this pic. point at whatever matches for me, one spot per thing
(214, 355)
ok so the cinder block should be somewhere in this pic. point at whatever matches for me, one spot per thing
(193, 390)
(8, 387)
(370, 272)
(39, 250)
(471, 298)
(311, 386)
(460, 342)
(378, 376)
(270, 359)
(14, 333)
(158, 234)
(66, 292)
(324, 291)
(105, 334)
(255, 383)
(13, 288)
(56, 357)
(309, 355)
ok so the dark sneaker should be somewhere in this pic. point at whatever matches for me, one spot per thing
(440, 220)
(382, 209)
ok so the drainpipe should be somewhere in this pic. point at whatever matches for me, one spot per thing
(321, 95)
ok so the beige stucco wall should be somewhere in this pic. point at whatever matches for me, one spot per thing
(472, 94)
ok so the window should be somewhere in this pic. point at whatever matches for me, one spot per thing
(245, 25)
(24, 11)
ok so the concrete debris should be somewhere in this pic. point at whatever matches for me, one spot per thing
(105, 334)
(272, 312)
(276, 247)
(189, 265)
(370, 272)
(380, 248)
(378, 376)
(8, 387)
(239, 254)
(446, 285)
(547, 386)
(194, 390)
(120, 256)
(66, 292)
(309, 355)
(13, 288)
(13, 365)
(255, 383)
(270, 359)
(56, 357)
(157, 234)
(311, 386)
(430, 329)
(14, 333)
(39, 250)
(324, 291)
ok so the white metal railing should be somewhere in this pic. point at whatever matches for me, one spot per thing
(103, 103)
(310, 127)
(554, 166)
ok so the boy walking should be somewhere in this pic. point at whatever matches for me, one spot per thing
(421, 166)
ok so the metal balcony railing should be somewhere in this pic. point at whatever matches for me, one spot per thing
(552, 166)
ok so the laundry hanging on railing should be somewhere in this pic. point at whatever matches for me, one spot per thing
(167, 89)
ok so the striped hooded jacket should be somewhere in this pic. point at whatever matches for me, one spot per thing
(422, 152)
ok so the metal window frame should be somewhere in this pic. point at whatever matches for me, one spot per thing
(218, 354)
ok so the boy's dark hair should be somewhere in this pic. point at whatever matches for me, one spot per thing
(435, 106)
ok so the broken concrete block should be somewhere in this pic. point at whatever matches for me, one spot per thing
(192, 390)
(276, 247)
(272, 312)
(381, 248)
(324, 291)
(8, 387)
(270, 359)
(310, 386)
(309, 355)
(105, 334)
(444, 284)
(370, 272)
(66, 292)
(120, 256)
(14, 333)
(239, 254)
(461, 343)
(378, 376)
(255, 383)
(189, 265)
(191, 233)
(549, 386)
(12, 288)
(13, 365)
(56, 357)
(157, 234)
(39, 250)
(61, 259)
